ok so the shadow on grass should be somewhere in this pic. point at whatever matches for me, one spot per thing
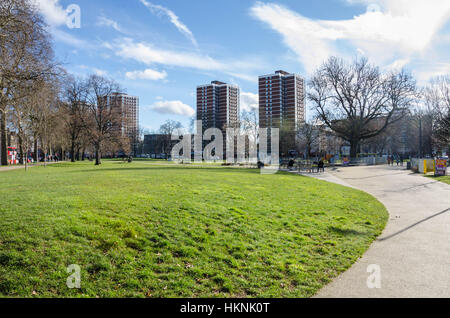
(150, 168)
(345, 231)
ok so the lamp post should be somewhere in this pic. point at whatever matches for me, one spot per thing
(420, 137)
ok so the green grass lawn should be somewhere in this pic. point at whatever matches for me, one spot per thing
(445, 179)
(144, 230)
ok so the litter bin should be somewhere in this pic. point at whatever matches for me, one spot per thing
(408, 165)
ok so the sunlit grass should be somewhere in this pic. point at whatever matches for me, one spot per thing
(445, 179)
(146, 230)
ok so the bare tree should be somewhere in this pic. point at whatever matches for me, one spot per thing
(74, 110)
(25, 55)
(33, 115)
(167, 129)
(22, 119)
(437, 98)
(250, 123)
(105, 115)
(287, 139)
(45, 101)
(351, 98)
(308, 138)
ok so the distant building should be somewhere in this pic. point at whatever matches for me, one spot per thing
(154, 144)
(218, 106)
(129, 106)
(157, 145)
(281, 100)
(282, 105)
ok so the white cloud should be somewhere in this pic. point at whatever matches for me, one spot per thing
(55, 16)
(245, 77)
(175, 107)
(69, 39)
(160, 10)
(366, 2)
(100, 72)
(90, 69)
(147, 74)
(53, 12)
(398, 64)
(147, 128)
(249, 101)
(300, 34)
(398, 30)
(104, 21)
(148, 54)
(427, 70)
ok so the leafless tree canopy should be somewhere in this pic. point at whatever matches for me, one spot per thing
(169, 128)
(25, 56)
(357, 101)
(74, 108)
(250, 123)
(105, 115)
(437, 98)
(308, 136)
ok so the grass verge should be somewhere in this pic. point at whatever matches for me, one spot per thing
(445, 179)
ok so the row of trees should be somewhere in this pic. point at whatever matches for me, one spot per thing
(92, 119)
(384, 112)
(42, 105)
(357, 105)
(26, 65)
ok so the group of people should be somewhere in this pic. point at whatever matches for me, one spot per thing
(320, 165)
(51, 158)
(394, 158)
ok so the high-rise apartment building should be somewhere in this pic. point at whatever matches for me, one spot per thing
(281, 100)
(282, 105)
(218, 105)
(129, 108)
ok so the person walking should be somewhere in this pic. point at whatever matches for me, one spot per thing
(321, 166)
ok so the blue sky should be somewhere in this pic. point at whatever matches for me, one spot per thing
(160, 50)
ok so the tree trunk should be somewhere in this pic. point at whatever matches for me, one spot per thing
(72, 151)
(97, 156)
(21, 151)
(35, 157)
(354, 149)
(3, 141)
(83, 155)
(26, 158)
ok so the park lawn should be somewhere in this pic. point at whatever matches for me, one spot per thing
(143, 230)
(445, 179)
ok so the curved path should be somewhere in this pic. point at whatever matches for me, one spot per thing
(16, 167)
(413, 252)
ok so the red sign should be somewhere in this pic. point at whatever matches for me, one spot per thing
(12, 154)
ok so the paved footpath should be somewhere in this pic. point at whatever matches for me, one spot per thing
(9, 168)
(413, 251)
